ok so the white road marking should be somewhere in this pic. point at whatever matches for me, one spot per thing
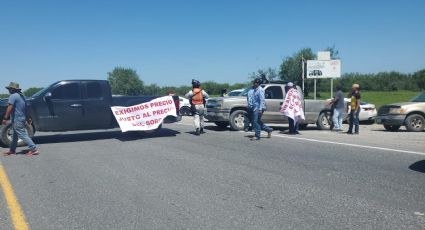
(352, 145)
(340, 143)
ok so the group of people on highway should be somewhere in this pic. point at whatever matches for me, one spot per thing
(339, 108)
(291, 107)
(18, 115)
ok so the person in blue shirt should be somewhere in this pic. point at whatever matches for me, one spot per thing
(258, 108)
(18, 114)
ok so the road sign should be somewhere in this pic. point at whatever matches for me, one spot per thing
(323, 69)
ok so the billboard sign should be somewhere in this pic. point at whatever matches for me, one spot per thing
(323, 69)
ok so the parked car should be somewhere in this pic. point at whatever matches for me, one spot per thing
(367, 111)
(234, 93)
(184, 107)
(224, 111)
(75, 105)
(409, 114)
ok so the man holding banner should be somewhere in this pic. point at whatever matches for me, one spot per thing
(292, 107)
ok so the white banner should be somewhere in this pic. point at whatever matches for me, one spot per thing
(323, 69)
(293, 106)
(145, 116)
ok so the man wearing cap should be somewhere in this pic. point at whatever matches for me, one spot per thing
(197, 98)
(258, 110)
(355, 109)
(18, 114)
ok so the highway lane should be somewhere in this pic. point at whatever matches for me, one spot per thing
(220, 180)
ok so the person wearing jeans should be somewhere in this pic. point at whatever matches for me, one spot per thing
(258, 110)
(338, 113)
(18, 114)
(355, 110)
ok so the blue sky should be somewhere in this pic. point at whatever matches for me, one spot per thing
(171, 42)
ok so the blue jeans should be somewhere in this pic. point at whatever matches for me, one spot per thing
(19, 131)
(337, 118)
(258, 124)
(354, 121)
(248, 120)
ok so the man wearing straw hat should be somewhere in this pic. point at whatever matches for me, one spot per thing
(18, 114)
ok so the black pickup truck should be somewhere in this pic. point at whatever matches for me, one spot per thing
(75, 105)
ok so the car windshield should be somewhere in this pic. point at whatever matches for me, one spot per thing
(234, 93)
(419, 98)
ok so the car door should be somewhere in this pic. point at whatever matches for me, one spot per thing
(63, 109)
(97, 112)
(274, 99)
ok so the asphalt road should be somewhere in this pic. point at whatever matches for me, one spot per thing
(220, 180)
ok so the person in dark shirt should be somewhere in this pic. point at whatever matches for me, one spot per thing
(355, 109)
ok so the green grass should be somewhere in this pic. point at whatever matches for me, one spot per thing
(378, 98)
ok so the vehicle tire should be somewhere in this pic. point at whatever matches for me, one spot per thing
(6, 133)
(185, 111)
(415, 123)
(324, 120)
(392, 128)
(237, 119)
(302, 126)
(221, 124)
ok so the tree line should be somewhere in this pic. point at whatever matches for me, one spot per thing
(126, 81)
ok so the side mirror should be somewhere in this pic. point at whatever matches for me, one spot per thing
(48, 96)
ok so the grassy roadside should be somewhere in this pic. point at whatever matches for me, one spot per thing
(378, 98)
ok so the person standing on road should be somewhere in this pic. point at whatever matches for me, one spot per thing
(250, 100)
(355, 109)
(292, 108)
(338, 111)
(258, 110)
(18, 114)
(197, 98)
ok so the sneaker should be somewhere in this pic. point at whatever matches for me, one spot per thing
(350, 133)
(33, 152)
(197, 133)
(269, 134)
(8, 153)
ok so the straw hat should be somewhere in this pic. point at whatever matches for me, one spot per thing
(13, 85)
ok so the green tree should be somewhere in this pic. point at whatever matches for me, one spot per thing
(31, 91)
(270, 74)
(125, 81)
(419, 77)
(291, 67)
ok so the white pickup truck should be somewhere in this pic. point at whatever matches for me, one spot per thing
(224, 111)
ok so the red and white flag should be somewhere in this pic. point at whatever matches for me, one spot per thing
(293, 106)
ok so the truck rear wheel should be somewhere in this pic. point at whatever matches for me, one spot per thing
(415, 123)
(392, 128)
(6, 133)
(237, 119)
(324, 120)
